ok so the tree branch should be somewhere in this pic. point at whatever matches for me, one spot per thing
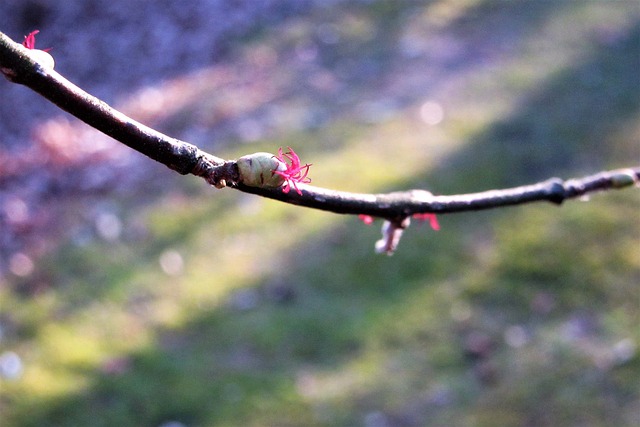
(19, 67)
(405, 203)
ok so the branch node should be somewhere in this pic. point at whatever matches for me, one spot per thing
(556, 193)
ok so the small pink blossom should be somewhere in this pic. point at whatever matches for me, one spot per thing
(367, 219)
(294, 173)
(30, 40)
(431, 217)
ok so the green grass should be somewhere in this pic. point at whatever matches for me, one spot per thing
(283, 316)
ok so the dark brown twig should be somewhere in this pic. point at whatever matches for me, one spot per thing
(185, 158)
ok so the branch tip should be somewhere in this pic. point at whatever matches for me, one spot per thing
(624, 178)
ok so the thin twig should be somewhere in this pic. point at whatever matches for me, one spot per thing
(186, 158)
(405, 203)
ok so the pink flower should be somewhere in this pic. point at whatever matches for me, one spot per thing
(431, 217)
(367, 219)
(294, 173)
(30, 40)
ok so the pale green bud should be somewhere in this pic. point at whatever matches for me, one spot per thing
(43, 58)
(256, 170)
(623, 178)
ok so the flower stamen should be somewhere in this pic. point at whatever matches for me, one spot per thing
(294, 172)
(30, 41)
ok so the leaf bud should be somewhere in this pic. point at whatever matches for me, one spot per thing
(41, 57)
(257, 170)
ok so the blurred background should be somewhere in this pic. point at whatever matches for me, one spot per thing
(130, 295)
